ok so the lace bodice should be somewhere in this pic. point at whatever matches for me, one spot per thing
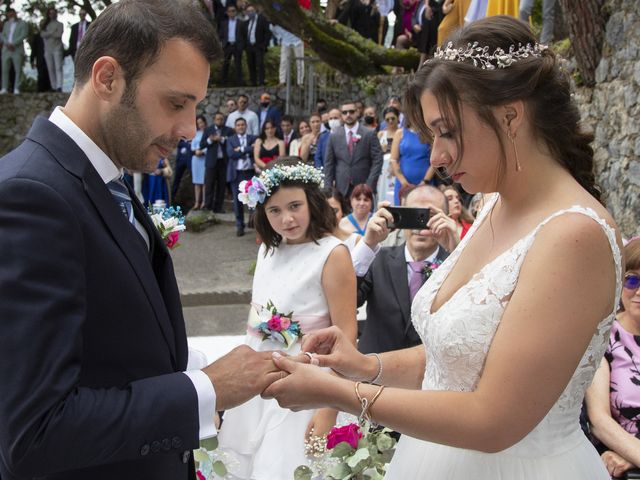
(458, 336)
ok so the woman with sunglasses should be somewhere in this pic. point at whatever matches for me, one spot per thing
(613, 399)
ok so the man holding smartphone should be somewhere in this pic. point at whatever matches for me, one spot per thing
(389, 277)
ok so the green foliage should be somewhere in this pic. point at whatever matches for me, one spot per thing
(302, 473)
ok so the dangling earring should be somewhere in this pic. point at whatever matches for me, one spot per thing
(512, 137)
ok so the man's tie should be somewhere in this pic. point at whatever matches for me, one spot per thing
(351, 143)
(121, 195)
(415, 280)
(81, 28)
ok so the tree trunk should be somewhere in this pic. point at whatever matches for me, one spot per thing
(338, 46)
(586, 20)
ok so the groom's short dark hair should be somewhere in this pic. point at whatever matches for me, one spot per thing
(135, 31)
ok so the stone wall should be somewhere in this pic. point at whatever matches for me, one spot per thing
(611, 110)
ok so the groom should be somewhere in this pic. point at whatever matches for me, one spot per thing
(93, 349)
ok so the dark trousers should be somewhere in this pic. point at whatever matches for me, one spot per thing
(238, 206)
(181, 167)
(255, 60)
(232, 50)
(214, 185)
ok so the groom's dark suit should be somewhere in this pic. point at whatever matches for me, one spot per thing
(91, 328)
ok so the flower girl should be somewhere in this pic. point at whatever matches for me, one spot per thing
(303, 281)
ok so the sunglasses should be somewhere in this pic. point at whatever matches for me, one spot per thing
(346, 112)
(631, 281)
(390, 119)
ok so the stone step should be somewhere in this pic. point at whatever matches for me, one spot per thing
(216, 320)
(230, 297)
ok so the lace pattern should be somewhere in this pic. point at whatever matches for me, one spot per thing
(458, 336)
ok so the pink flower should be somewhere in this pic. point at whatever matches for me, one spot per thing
(200, 475)
(285, 322)
(275, 323)
(172, 239)
(247, 185)
(349, 433)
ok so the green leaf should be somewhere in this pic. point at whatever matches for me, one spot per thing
(359, 460)
(373, 474)
(341, 450)
(385, 442)
(302, 473)
(209, 443)
(219, 468)
(200, 455)
(339, 471)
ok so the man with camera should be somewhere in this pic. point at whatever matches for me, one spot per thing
(389, 277)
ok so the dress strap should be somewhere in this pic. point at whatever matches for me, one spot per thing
(608, 231)
(355, 224)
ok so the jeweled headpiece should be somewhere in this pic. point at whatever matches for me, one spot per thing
(486, 60)
(257, 189)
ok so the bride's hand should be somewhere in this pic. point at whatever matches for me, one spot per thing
(331, 348)
(323, 420)
(302, 386)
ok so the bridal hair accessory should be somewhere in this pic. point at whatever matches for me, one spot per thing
(257, 189)
(484, 59)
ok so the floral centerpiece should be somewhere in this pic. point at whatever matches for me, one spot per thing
(353, 451)
(273, 325)
(169, 222)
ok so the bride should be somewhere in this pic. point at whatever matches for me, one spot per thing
(515, 322)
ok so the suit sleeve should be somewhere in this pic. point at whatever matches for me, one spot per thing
(329, 163)
(376, 161)
(49, 422)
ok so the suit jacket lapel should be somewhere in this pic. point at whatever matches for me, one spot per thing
(399, 282)
(133, 248)
(73, 159)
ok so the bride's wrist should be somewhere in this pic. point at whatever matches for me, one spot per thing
(372, 368)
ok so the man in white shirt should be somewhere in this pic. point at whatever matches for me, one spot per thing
(231, 38)
(53, 49)
(94, 362)
(14, 33)
(253, 124)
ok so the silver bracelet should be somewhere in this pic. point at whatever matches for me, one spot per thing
(377, 377)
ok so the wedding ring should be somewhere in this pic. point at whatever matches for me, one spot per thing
(310, 355)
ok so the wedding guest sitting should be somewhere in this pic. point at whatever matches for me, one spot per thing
(457, 210)
(389, 277)
(267, 147)
(361, 205)
(613, 399)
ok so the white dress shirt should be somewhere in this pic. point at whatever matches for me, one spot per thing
(108, 171)
(253, 123)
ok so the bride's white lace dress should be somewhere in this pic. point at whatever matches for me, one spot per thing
(457, 338)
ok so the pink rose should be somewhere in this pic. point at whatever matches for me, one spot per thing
(285, 322)
(275, 323)
(172, 239)
(349, 433)
(200, 475)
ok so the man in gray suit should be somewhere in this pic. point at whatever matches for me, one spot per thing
(353, 154)
(14, 33)
(389, 277)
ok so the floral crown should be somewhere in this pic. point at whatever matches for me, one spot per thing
(485, 60)
(257, 189)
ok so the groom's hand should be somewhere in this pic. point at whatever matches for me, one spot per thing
(241, 374)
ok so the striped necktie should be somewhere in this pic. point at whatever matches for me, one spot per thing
(121, 195)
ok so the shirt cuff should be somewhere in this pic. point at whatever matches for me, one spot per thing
(206, 402)
(362, 257)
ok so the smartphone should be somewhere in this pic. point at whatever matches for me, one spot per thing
(409, 217)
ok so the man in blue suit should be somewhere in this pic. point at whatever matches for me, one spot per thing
(240, 167)
(93, 349)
